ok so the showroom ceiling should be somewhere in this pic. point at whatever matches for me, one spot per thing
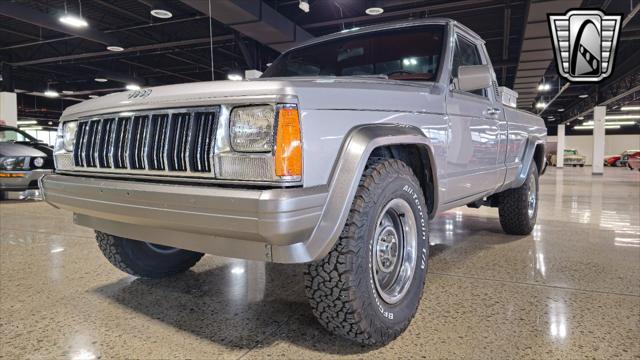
(40, 53)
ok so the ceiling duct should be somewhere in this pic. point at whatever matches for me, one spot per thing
(254, 19)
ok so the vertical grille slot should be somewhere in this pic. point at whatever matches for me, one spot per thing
(202, 132)
(178, 142)
(137, 140)
(120, 140)
(105, 142)
(157, 141)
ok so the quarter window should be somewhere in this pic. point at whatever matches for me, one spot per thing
(466, 53)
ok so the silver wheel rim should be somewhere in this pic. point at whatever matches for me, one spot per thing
(394, 251)
(533, 198)
(161, 248)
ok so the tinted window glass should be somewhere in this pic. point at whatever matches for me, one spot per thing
(408, 54)
(466, 53)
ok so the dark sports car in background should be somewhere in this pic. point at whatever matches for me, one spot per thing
(23, 160)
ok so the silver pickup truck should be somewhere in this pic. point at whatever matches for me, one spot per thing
(337, 156)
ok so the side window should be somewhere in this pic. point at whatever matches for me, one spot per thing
(466, 53)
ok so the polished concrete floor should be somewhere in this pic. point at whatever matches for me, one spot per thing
(569, 290)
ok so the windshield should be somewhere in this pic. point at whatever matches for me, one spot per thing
(12, 135)
(411, 54)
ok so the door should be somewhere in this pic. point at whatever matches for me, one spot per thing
(474, 127)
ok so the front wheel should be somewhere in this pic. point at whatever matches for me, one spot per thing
(369, 286)
(145, 259)
(518, 208)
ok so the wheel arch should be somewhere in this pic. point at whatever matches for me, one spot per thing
(398, 141)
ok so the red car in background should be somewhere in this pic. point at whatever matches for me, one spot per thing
(621, 160)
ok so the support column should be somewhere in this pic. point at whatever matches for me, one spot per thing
(560, 147)
(599, 113)
(8, 109)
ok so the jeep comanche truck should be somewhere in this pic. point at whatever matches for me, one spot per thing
(337, 156)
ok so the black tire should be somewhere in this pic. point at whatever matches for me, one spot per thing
(513, 208)
(144, 259)
(341, 287)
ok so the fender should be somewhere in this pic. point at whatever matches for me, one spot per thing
(345, 177)
(527, 159)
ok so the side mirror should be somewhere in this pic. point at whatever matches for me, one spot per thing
(474, 77)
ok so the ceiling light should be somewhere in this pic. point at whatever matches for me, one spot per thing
(73, 21)
(544, 87)
(580, 117)
(31, 127)
(27, 122)
(161, 13)
(374, 11)
(115, 48)
(133, 87)
(304, 5)
(560, 110)
(541, 105)
(67, 92)
(619, 117)
(94, 96)
(101, 79)
(630, 108)
(234, 77)
(51, 94)
(582, 96)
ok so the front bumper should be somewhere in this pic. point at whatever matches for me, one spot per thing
(21, 180)
(268, 225)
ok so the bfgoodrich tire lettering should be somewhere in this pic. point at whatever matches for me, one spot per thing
(341, 286)
(143, 259)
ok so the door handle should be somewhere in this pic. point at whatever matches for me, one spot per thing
(493, 111)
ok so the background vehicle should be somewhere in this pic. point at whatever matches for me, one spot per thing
(337, 157)
(620, 160)
(571, 158)
(23, 160)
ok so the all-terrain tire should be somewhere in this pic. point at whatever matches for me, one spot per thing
(513, 209)
(341, 288)
(143, 259)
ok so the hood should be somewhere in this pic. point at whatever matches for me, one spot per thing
(312, 93)
(12, 149)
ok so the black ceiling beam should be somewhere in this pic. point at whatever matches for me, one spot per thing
(127, 50)
(26, 14)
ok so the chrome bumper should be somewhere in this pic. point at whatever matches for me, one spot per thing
(268, 225)
(21, 180)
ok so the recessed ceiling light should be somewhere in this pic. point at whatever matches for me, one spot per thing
(115, 48)
(73, 21)
(373, 11)
(582, 96)
(101, 79)
(234, 77)
(51, 94)
(161, 13)
(544, 87)
(133, 87)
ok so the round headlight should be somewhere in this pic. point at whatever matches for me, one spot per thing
(38, 162)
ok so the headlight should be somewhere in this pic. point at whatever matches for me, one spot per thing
(38, 162)
(251, 128)
(14, 163)
(69, 134)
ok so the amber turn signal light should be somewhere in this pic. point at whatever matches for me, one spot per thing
(288, 155)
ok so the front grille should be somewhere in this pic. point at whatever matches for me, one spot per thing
(175, 142)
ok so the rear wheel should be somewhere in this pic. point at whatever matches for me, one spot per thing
(518, 208)
(145, 259)
(368, 287)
